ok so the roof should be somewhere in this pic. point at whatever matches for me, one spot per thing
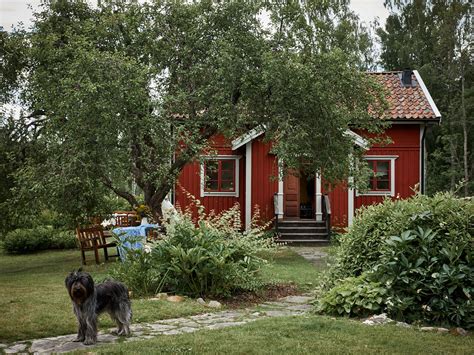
(407, 102)
(257, 132)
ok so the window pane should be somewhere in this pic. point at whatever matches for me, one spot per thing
(211, 185)
(212, 170)
(382, 185)
(227, 186)
(227, 165)
(227, 175)
(382, 168)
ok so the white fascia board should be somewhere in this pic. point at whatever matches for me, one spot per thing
(247, 137)
(359, 140)
(427, 94)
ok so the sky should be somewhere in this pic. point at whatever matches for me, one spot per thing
(14, 11)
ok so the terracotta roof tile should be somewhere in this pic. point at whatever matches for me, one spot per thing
(405, 102)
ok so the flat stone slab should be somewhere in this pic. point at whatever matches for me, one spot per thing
(297, 299)
(291, 305)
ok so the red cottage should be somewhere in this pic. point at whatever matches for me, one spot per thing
(244, 170)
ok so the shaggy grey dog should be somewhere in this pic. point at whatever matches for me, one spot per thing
(90, 300)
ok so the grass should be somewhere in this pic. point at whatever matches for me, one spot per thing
(300, 335)
(34, 302)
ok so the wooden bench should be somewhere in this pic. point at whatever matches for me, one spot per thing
(126, 218)
(93, 239)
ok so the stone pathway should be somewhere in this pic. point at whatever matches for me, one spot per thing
(287, 306)
(313, 254)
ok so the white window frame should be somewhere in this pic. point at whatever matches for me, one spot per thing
(390, 192)
(205, 193)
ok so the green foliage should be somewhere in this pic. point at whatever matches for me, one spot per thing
(419, 250)
(139, 272)
(353, 296)
(361, 248)
(21, 241)
(210, 257)
(107, 101)
(429, 277)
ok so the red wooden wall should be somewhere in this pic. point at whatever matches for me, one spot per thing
(190, 179)
(406, 145)
(264, 178)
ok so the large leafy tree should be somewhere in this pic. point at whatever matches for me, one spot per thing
(124, 92)
(435, 38)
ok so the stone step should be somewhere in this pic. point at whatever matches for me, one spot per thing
(304, 236)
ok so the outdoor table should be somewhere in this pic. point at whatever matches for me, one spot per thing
(138, 234)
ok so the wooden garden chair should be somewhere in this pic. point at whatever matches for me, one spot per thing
(93, 239)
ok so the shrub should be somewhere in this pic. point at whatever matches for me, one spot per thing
(361, 248)
(204, 257)
(39, 238)
(419, 250)
(353, 296)
(428, 277)
(139, 272)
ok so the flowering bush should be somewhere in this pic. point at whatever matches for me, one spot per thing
(207, 255)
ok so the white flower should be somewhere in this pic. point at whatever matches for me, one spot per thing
(147, 249)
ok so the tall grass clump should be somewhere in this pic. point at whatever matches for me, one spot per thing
(413, 257)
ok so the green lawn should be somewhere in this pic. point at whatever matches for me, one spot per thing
(34, 302)
(300, 335)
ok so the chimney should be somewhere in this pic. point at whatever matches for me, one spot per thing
(406, 77)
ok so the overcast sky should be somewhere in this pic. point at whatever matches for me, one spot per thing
(14, 11)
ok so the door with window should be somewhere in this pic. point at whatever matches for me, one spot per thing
(291, 196)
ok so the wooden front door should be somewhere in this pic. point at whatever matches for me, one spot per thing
(291, 194)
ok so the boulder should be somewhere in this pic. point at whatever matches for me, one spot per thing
(214, 304)
(175, 299)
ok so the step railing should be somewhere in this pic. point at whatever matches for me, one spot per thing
(326, 209)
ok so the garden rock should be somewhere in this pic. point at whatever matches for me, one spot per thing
(175, 299)
(434, 329)
(214, 304)
(162, 295)
(458, 331)
(379, 319)
(201, 301)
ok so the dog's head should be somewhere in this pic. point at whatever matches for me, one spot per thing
(80, 286)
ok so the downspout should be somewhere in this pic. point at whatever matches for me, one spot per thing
(423, 165)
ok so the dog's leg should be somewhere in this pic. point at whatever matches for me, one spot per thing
(122, 316)
(81, 325)
(91, 330)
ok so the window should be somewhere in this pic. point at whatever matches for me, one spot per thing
(382, 180)
(220, 176)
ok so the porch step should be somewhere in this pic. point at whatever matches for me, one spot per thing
(311, 242)
(302, 231)
(307, 235)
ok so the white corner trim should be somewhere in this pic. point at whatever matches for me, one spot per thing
(248, 185)
(247, 137)
(280, 212)
(235, 193)
(318, 199)
(350, 202)
(359, 140)
(392, 159)
(427, 94)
